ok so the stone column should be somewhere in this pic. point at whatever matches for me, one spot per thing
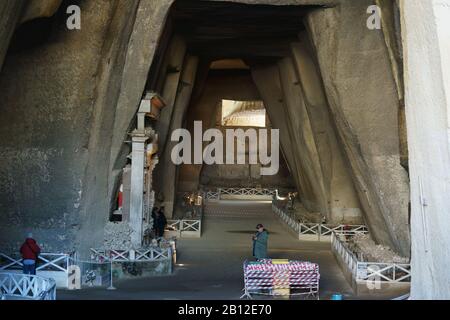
(126, 180)
(168, 168)
(426, 46)
(137, 187)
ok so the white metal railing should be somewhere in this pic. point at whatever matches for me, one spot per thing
(49, 265)
(385, 272)
(248, 191)
(45, 262)
(211, 195)
(141, 255)
(185, 225)
(343, 229)
(346, 254)
(319, 229)
(174, 224)
(20, 286)
(370, 271)
(220, 193)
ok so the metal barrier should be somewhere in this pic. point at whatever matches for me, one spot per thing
(317, 231)
(290, 278)
(45, 262)
(14, 286)
(347, 256)
(369, 271)
(241, 193)
(211, 195)
(147, 254)
(385, 272)
(48, 265)
(106, 264)
(247, 191)
(185, 228)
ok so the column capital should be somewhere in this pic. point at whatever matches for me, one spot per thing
(139, 136)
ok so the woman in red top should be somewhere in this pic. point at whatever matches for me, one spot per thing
(30, 251)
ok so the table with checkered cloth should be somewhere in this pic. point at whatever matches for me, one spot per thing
(262, 277)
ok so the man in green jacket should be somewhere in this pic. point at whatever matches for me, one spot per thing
(260, 242)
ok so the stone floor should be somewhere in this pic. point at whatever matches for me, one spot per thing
(211, 267)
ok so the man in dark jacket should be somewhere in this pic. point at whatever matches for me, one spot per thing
(260, 242)
(30, 251)
(161, 222)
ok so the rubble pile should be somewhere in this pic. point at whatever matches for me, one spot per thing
(367, 250)
(304, 216)
(117, 236)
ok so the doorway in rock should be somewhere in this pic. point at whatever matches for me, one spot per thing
(231, 101)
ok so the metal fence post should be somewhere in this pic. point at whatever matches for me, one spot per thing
(111, 287)
(181, 227)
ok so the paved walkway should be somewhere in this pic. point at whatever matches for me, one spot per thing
(211, 267)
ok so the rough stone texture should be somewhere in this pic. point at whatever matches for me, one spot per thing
(166, 167)
(125, 73)
(390, 18)
(72, 116)
(426, 44)
(367, 250)
(174, 64)
(39, 8)
(216, 87)
(117, 236)
(342, 199)
(313, 159)
(391, 31)
(10, 12)
(245, 175)
(355, 70)
(267, 80)
(47, 98)
(300, 131)
(68, 103)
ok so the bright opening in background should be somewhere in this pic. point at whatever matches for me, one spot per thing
(243, 113)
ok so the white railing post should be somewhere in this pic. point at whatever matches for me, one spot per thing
(181, 227)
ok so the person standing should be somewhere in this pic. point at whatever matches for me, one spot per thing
(260, 242)
(154, 215)
(30, 252)
(161, 222)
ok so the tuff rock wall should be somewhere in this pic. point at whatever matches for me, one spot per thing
(69, 101)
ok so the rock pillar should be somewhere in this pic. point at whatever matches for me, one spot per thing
(426, 45)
